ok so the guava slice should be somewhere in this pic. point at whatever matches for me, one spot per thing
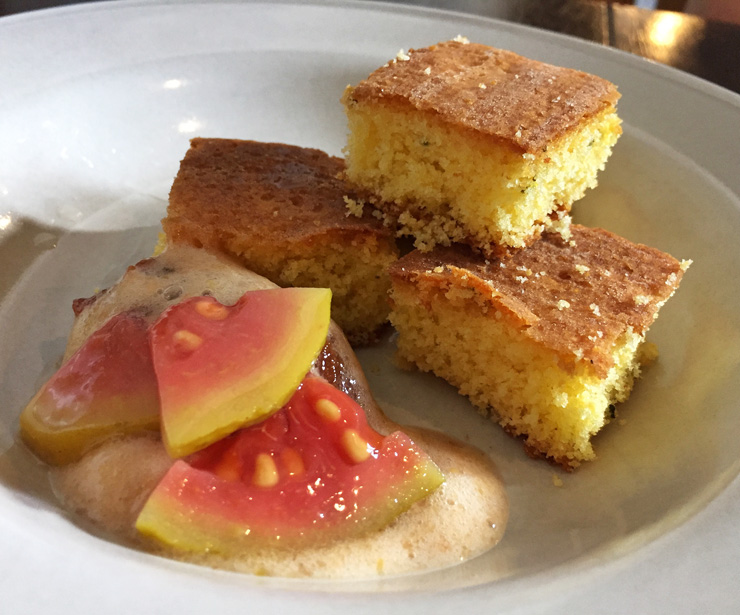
(311, 473)
(222, 368)
(107, 387)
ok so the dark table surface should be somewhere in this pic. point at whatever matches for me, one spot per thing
(706, 48)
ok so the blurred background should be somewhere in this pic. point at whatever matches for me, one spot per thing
(701, 37)
(723, 10)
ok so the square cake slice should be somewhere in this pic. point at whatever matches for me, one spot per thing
(545, 341)
(281, 211)
(466, 143)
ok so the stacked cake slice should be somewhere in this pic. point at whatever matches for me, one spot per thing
(465, 143)
(478, 154)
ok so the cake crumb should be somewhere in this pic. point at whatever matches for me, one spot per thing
(402, 56)
(556, 480)
(641, 300)
(461, 39)
(354, 207)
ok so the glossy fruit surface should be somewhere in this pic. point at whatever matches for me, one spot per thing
(222, 368)
(313, 472)
(107, 387)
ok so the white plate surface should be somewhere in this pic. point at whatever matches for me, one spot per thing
(96, 108)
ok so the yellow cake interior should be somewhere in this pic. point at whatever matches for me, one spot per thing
(459, 337)
(355, 270)
(450, 184)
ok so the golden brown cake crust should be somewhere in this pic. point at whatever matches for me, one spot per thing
(576, 297)
(525, 103)
(276, 193)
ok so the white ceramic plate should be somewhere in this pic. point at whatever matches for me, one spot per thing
(96, 108)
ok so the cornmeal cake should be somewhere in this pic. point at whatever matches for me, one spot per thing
(462, 142)
(545, 340)
(281, 211)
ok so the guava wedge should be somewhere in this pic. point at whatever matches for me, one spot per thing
(311, 473)
(221, 368)
(107, 387)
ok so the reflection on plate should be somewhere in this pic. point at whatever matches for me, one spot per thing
(92, 136)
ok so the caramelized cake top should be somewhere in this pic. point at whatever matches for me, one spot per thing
(274, 192)
(576, 297)
(493, 92)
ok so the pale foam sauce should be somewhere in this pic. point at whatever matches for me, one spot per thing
(466, 516)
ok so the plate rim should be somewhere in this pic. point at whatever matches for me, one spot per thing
(709, 89)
